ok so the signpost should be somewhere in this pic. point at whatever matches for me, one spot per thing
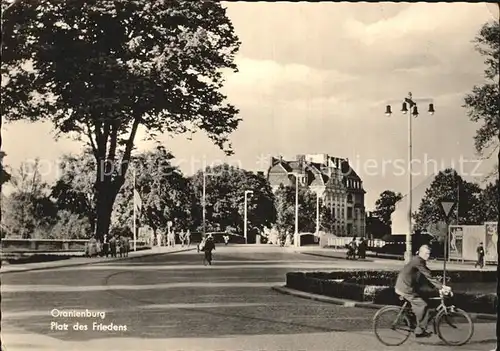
(447, 207)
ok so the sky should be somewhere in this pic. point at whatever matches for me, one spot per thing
(316, 77)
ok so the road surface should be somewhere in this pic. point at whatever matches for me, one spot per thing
(173, 302)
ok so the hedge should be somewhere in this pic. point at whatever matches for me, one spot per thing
(378, 287)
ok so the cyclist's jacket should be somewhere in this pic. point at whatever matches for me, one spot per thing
(410, 277)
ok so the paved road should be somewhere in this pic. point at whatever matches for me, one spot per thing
(173, 302)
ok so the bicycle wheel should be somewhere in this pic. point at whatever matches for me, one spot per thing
(391, 325)
(455, 327)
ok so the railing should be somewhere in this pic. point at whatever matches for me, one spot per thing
(341, 242)
(50, 245)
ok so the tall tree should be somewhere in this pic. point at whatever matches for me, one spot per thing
(73, 191)
(4, 175)
(285, 210)
(100, 70)
(449, 185)
(225, 189)
(490, 199)
(386, 205)
(483, 103)
(28, 208)
(327, 219)
(166, 194)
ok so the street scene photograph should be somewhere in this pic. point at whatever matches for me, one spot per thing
(249, 176)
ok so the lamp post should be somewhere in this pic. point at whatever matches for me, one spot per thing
(410, 108)
(247, 192)
(296, 234)
(317, 213)
(203, 199)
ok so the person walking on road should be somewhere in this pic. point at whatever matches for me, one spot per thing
(480, 256)
(207, 249)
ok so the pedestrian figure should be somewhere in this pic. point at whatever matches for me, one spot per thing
(91, 249)
(182, 238)
(112, 246)
(201, 245)
(353, 248)
(105, 245)
(207, 249)
(188, 238)
(480, 256)
(362, 248)
(226, 239)
(171, 238)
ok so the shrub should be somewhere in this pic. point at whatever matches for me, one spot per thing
(378, 287)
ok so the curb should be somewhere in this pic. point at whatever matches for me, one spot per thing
(21, 270)
(352, 303)
(334, 257)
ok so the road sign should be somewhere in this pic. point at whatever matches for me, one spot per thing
(447, 207)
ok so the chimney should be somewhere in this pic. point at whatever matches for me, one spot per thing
(301, 159)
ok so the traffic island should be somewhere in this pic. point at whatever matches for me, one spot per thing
(377, 287)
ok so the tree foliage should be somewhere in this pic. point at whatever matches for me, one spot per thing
(285, 211)
(225, 189)
(70, 225)
(99, 70)
(4, 175)
(73, 191)
(386, 205)
(483, 103)
(165, 193)
(448, 185)
(490, 199)
(28, 209)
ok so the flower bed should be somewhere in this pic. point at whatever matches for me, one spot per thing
(378, 287)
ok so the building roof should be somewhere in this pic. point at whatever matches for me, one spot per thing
(319, 173)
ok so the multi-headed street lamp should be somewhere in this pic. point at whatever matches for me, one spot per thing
(410, 108)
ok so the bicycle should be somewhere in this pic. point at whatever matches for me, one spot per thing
(404, 321)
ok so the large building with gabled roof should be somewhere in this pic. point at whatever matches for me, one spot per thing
(339, 186)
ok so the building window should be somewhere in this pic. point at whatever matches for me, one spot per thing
(349, 229)
(349, 198)
(349, 213)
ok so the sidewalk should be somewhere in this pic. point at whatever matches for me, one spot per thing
(82, 261)
(373, 258)
(483, 340)
(353, 303)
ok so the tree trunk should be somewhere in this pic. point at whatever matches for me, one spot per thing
(498, 228)
(104, 208)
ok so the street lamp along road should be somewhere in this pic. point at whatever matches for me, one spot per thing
(410, 105)
(247, 192)
(296, 234)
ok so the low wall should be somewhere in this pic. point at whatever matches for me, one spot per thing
(378, 287)
(341, 242)
(50, 245)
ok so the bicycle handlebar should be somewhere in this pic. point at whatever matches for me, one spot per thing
(443, 294)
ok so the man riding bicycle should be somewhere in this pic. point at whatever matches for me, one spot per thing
(409, 285)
